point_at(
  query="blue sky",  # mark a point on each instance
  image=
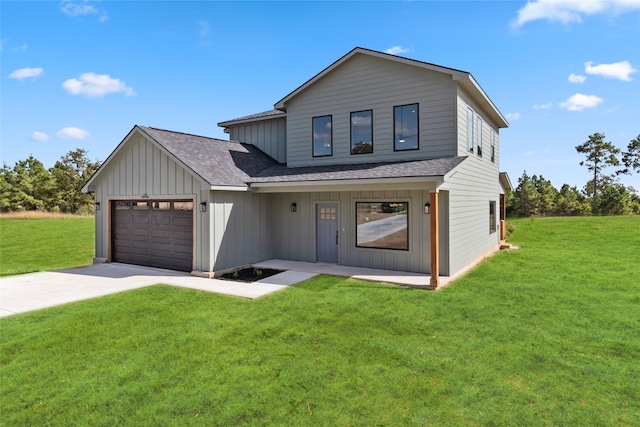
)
(81, 74)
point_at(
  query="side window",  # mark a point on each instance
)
(362, 132)
(479, 136)
(322, 136)
(470, 130)
(405, 127)
(492, 217)
(493, 145)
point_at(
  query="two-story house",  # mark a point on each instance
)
(377, 161)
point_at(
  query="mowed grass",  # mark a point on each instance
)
(546, 335)
(32, 243)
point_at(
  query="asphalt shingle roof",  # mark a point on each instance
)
(229, 163)
(416, 168)
(262, 115)
(219, 162)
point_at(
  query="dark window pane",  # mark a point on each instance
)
(322, 139)
(405, 127)
(362, 132)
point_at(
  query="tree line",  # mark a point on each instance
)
(603, 194)
(29, 186)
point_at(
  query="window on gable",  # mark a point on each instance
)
(322, 136)
(382, 225)
(492, 217)
(405, 127)
(362, 132)
(470, 130)
(479, 136)
(493, 145)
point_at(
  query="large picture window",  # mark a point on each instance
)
(382, 225)
(322, 136)
(405, 127)
(362, 132)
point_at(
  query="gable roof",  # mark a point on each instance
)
(236, 166)
(215, 161)
(464, 79)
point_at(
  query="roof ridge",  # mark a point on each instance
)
(188, 134)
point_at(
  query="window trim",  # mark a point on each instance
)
(493, 146)
(395, 143)
(470, 141)
(370, 111)
(313, 136)
(479, 138)
(370, 202)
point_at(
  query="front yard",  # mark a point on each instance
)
(546, 335)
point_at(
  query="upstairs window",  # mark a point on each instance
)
(479, 136)
(362, 132)
(405, 127)
(470, 130)
(322, 136)
(493, 145)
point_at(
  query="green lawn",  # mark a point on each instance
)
(38, 244)
(546, 335)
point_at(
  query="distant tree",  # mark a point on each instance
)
(526, 199)
(600, 154)
(70, 173)
(631, 157)
(615, 199)
(570, 202)
(28, 186)
(547, 195)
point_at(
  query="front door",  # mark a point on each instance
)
(327, 232)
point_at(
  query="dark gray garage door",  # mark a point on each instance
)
(155, 233)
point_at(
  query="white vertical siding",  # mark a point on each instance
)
(369, 83)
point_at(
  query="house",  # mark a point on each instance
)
(377, 161)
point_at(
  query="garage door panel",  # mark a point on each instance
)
(158, 238)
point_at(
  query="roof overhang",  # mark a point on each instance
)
(406, 183)
(505, 182)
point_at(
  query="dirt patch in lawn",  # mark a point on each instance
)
(250, 274)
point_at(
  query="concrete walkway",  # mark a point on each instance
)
(35, 291)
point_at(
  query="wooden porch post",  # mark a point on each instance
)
(435, 240)
(503, 217)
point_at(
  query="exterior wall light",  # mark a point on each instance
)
(294, 207)
(203, 207)
(97, 206)
(427, 208)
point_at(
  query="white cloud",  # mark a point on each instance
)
(96, 85)
(618, 70)
(74, 9)
(25, 73)
(575, 78)
(546, 106)
(39, 136)
(72, 133)
(204, 28)
(567, 11)
(579, 102)
(513, 116)
(397, 49)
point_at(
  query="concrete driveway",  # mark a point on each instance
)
(34, 291)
